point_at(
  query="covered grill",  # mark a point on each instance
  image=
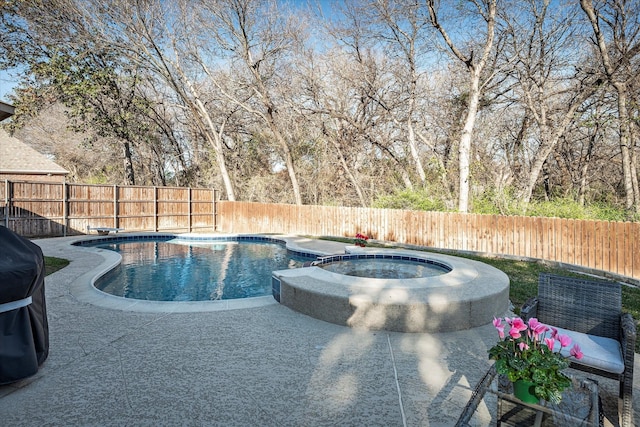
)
(24, 331)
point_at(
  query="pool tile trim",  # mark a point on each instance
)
(337, 258)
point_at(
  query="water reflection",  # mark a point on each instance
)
(168, 271)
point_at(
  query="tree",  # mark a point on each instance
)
(356, 94)
(144, 37)
(257, 37)
(617, 54)
(539, 43)
(402, 28)
(475, 65)
(66, 63)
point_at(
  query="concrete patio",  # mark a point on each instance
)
(243, 366)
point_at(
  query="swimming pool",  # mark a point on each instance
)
(177, 269)
(464, 295)
(381, 266)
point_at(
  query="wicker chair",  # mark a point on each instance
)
(594, 308)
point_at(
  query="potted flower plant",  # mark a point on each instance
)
(361, 240)
(525, 355)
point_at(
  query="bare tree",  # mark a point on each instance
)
(621, 18)
(486, 11)
(145, 38)
(240, 94)
(257, 38)
(358, 91)
(400, 27)
(540, 43)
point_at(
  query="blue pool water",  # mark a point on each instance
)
(176, 270)
(384, 269)
(383, 266)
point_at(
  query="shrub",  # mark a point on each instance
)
(559, 208)
(418, 200)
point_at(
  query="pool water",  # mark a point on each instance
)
(385, 268)
(185, 271)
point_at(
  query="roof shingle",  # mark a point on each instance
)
(17, 157)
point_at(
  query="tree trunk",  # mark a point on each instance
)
(475, 69)
(631, 196)
(288, 160)
(129, 175)
(349, 174)
(625, 151)
(414, 151)
(212, 134)
(464, 151)
(215, 139)
(582, 190)
(634, 165)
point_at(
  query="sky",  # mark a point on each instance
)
(7, 83)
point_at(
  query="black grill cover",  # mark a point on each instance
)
(24, 331)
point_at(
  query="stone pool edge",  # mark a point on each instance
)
(468, 296)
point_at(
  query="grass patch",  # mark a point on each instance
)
(53, 264)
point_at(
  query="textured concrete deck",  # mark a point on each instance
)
(260, 366)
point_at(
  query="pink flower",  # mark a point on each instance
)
(523, 346)
(499, 326)
(519, 324)
(550, 342)
(540, 329)
(564, 340)
(533, 322)
(576, 352)
(554, 332)
(514, 332)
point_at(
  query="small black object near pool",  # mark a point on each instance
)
(24, 341)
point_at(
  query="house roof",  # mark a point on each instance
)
(6, 111)
(16, 157)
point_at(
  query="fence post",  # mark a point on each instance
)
(213, 209)
(115, 206)
(65, 209)
(189, 204)
(7, 199)
(155, 208)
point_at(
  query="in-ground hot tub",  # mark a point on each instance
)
(464, 294)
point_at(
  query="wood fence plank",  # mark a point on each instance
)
(613, 259)
(570, 242)
(635, 250)
(45, 208)
(466, 229)
(598, 250)
(526, 237)
(628, 249)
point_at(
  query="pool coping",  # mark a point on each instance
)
(84, 290)
(471, 293)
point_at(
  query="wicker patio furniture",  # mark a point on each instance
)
(590, 312)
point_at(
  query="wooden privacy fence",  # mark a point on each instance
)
(601, 245)
(53, 209)
(57, 209)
